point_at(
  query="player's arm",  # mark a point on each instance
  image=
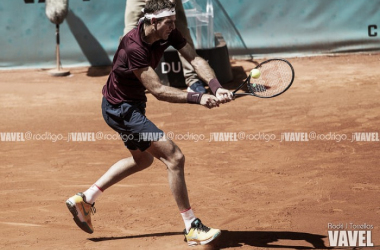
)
(205, 73)
(151, 82)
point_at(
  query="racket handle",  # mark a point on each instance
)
(241, 85)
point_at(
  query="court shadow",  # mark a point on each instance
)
(95, 71)
(239, 75)
(271, 239)
(234, 239)
(99, 239)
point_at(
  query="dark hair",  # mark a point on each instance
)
(155, 5)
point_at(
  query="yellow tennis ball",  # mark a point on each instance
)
(255, 73)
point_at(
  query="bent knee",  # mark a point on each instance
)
(144, 162)
(179, 158)
(177, 161)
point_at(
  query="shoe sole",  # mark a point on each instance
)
(73, 210)
(194, 243)
(189, 90)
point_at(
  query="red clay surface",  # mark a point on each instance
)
(262, 194)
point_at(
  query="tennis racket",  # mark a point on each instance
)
(276, 77)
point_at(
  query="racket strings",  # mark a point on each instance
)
(276, 75)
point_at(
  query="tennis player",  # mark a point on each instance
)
(123, 108)
(133, 13)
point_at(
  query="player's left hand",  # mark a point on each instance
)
(223, 95)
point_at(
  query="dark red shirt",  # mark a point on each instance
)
(133, 53)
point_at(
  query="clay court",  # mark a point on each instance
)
(263, 194)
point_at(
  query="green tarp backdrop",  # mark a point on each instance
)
(91, 31)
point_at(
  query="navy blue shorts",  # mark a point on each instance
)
(129, 120)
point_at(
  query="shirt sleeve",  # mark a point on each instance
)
(177, 40)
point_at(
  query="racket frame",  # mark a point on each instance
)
(247, 81)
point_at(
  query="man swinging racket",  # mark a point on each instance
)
(123, 108)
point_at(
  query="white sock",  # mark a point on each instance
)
(92, 193)
(188, 217)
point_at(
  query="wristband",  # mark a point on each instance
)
(214, 85)
(194, 97)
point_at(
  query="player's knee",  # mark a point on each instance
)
(144, 162)
(180, 159)
(177, 161)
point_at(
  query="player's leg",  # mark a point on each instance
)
(81, 205)
(128, 119)
(124, 168)
(170, 154)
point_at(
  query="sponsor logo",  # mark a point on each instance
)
(372, 30)
(84, 210)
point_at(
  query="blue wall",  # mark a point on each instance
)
(91, 31)
(299, 26)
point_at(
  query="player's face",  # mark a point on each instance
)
(165, 27)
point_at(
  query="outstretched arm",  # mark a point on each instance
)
(206, 73)
(151, 82)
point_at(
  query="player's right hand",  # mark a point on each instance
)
(209, 101)
(224, 95)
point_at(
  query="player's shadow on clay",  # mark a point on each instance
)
(233, 239)
(99, 239)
